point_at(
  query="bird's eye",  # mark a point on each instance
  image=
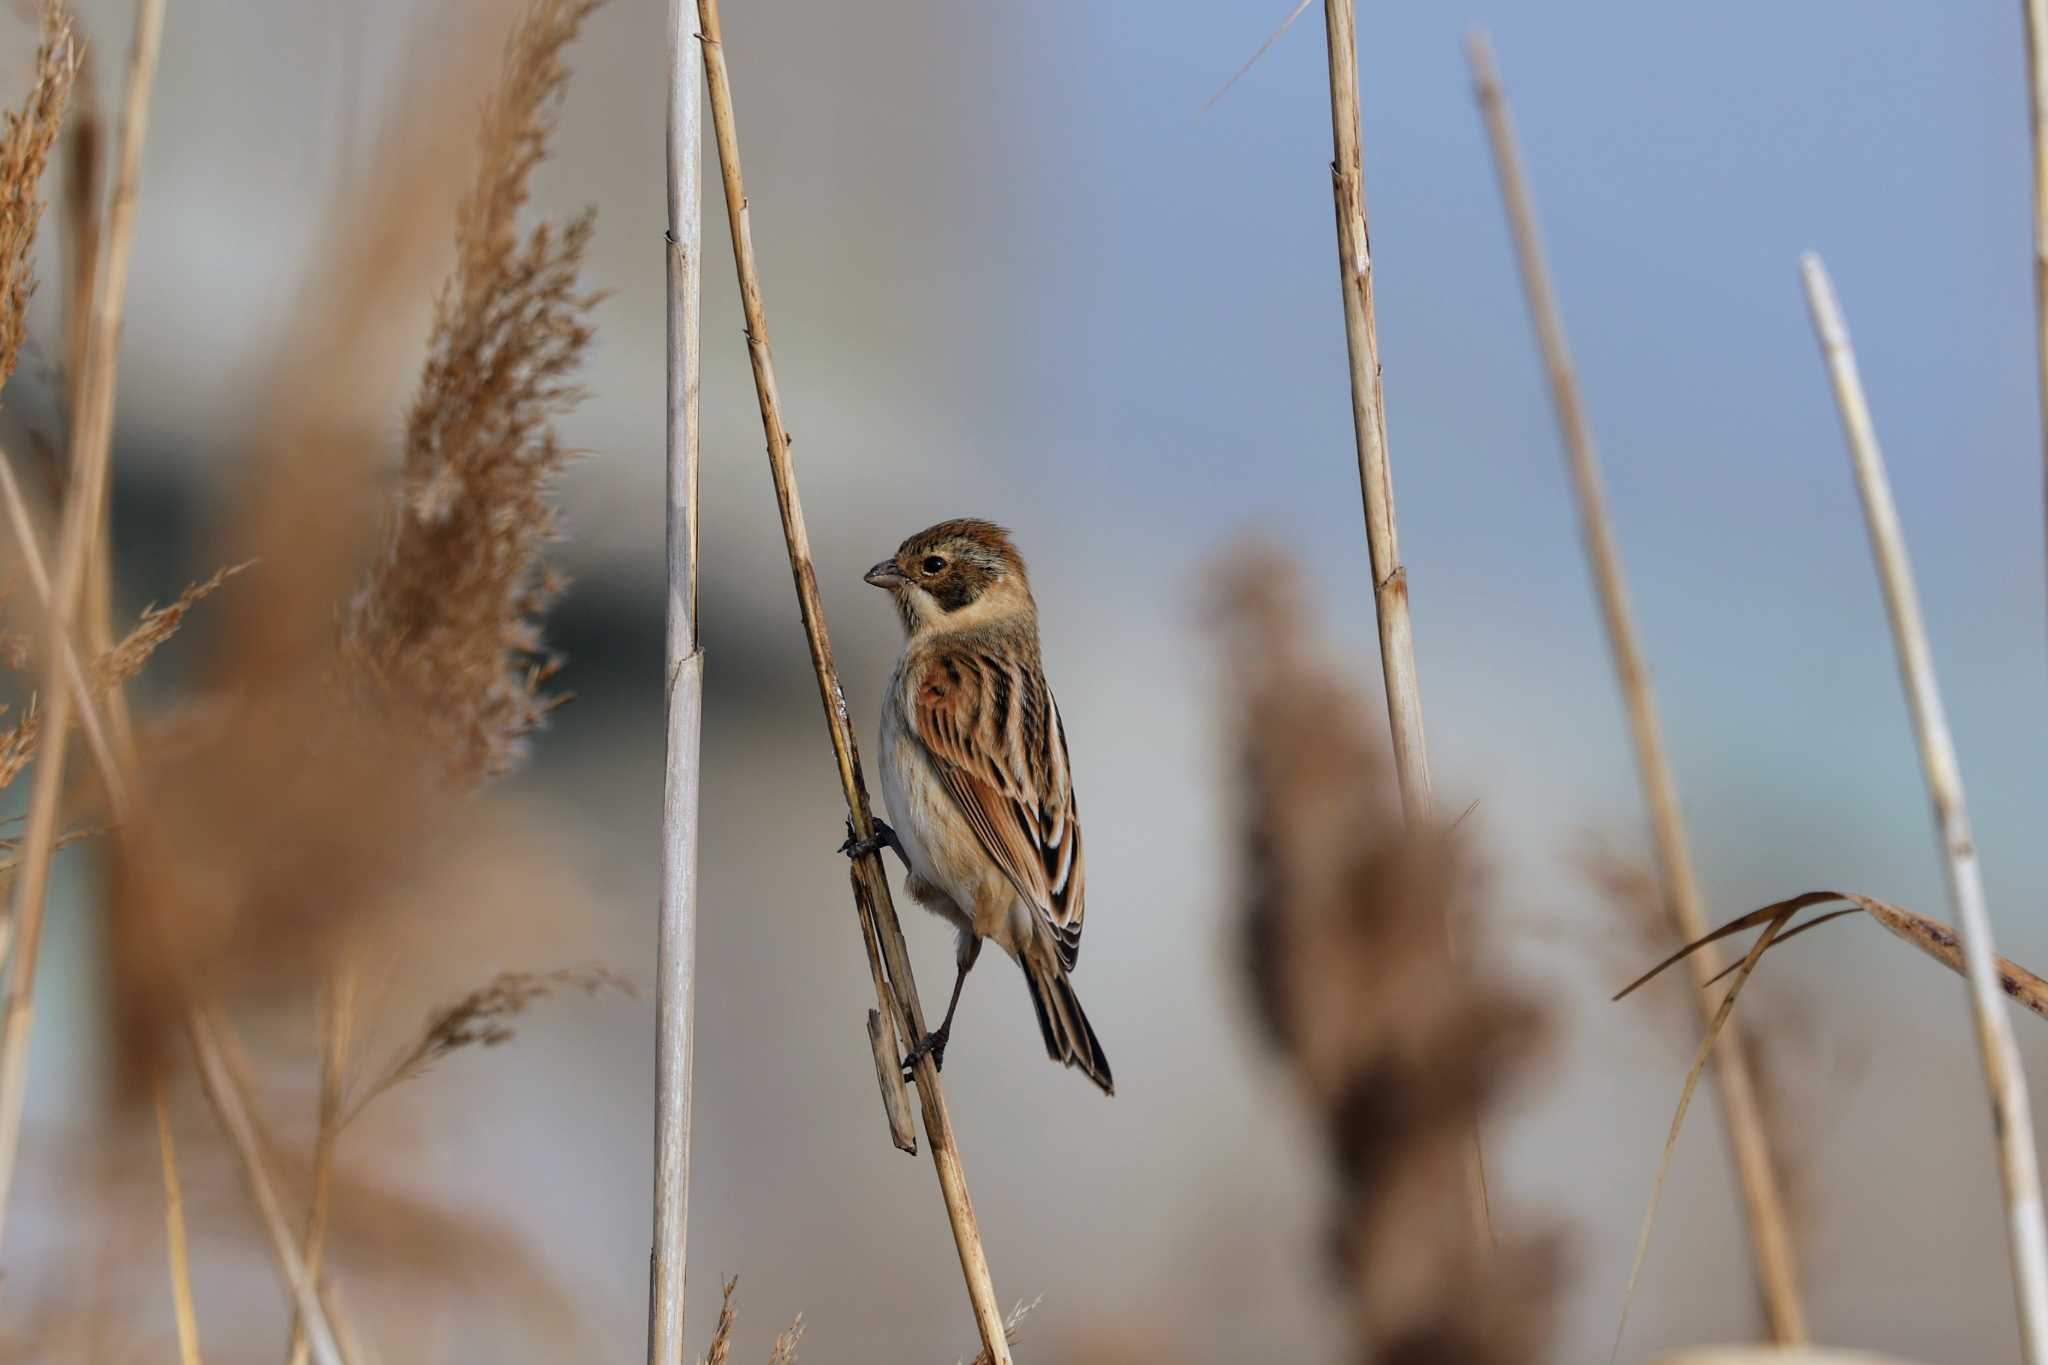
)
(934, 563)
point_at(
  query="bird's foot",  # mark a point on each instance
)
(933, 1046)
(883, 837)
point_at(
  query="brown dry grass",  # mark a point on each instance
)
(1398, 1051)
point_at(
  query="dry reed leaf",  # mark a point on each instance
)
(29, 134)
(1932, 937)
(1397, 1047)
(1743, 971)
(156, 625)
(449, 619)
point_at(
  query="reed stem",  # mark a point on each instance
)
(676, 972)
(1375, 474)
(174, 1228)
(91, 442)
(2012, 1120)
(898, 993)
(2034, 14)
(1770, 1229)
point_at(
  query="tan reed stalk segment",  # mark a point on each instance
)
(337, 1025)
(676, 972)
(226, 1093)
(2012, 1120)
(898, 993)
(174, 1232)
(1777, 1265)
(1375, 476)
(91, 437)
(23, 529)
(2035, 15)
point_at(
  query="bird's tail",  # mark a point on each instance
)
(1069, 1037)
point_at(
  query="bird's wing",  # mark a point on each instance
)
(993, 732)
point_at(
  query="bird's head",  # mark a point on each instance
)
(955, 574)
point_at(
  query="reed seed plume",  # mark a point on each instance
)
(1012, 1325)
(156, 625)
(449, 619)
(484, 1018)
(18, 743)
(1397, 1049)
(719, 1352)
(25, 143)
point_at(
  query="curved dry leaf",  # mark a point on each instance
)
(1932, 937)
(1780, 913)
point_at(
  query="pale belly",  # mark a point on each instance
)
(941, 845)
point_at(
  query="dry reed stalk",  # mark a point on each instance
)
(91, 440)
(174, 1228)
(2012, 1118)
(897, 994)
(1770, 1231)
(337, 1023)
(1396, 1048)
(36, 570)
(1375, 474)
(675, 993)
(2035, 16)
(227, 1095)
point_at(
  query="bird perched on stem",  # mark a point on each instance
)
(975, 775)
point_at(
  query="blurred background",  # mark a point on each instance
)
(1015, 270)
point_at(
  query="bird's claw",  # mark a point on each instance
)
(933, 1046)
(883, 837)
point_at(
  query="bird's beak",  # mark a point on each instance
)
(887, 575)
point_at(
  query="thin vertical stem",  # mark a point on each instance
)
(227, 1096)
(174, 1228)
(676, 972)
(2012, 1120)
(1375, 475)
(337, 1025)
(1777, 1265)
(91, 439)
(2034, 14)
(871, 885)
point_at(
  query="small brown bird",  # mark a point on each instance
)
(974, 772)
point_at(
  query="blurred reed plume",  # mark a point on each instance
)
(449, 619)
(334, 787)
(1397, 1050)
(30, 134)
